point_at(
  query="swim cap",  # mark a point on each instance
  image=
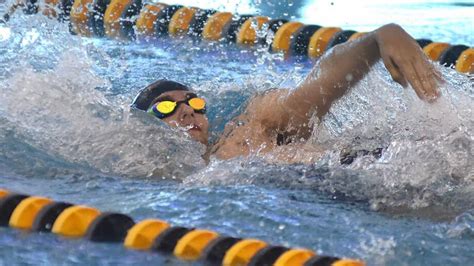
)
(146, 96)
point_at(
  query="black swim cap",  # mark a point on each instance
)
(150, 92)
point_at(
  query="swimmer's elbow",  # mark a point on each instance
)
(393, 26)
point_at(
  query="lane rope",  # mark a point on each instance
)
(131, 19)
(32, 213)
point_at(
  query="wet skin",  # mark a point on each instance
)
(286, 114)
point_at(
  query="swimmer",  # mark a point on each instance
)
(279, 121)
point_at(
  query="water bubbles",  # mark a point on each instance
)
(70, 118)
(262, 31)
(422, 159)
(463, 226)
(254, 24)
(30, 37)
(79, 9)
(5, 33)
(269, 37)
(380, 248)
(349, 77)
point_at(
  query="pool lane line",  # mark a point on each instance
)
(131, 19)
(34, 213)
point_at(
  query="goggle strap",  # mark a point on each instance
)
(154, 112)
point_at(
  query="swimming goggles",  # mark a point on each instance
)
(165, 108)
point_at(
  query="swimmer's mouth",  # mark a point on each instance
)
(193, 127)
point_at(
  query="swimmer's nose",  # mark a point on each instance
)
(186, 112)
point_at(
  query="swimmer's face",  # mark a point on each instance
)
(185, 117)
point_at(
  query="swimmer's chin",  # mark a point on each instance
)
(196, 133)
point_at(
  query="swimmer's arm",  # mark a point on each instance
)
(344, 66)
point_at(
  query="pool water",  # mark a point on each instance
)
(66, 132)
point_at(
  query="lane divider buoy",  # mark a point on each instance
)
(465, 62)
(142, 234)
(423, 42)
(435, 49)
(215, 25)
(47, 216)
(449, 57)
(191, 245)
(196, 26)
(8, 204)
(294, 257)
(215, 251)
(340, 37)
(234, 26)
(26, 211)
(32, 213)
(283, 36)
(163, 20)
(109, 227)
(242, 252)
(79, 17)
(74, 221)
(319, 261)
(49, 8)
(181, 20)
(267, 255)
(86, 17)
(248, 31)
(300, 42)
(167, 240)
(119, 18)
(319, 41)
(273, 26)
(146, 21)
(64, 7)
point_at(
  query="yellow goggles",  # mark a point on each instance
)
(164, 109)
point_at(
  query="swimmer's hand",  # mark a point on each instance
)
(406, 62)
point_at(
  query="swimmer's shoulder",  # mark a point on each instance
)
(232, 142)
(253, 130)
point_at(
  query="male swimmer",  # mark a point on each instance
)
(279, 121)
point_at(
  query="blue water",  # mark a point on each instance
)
(66, 132)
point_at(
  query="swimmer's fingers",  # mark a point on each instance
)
(409, 72)
(394, 70)
(423, 79)
(434, 77)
